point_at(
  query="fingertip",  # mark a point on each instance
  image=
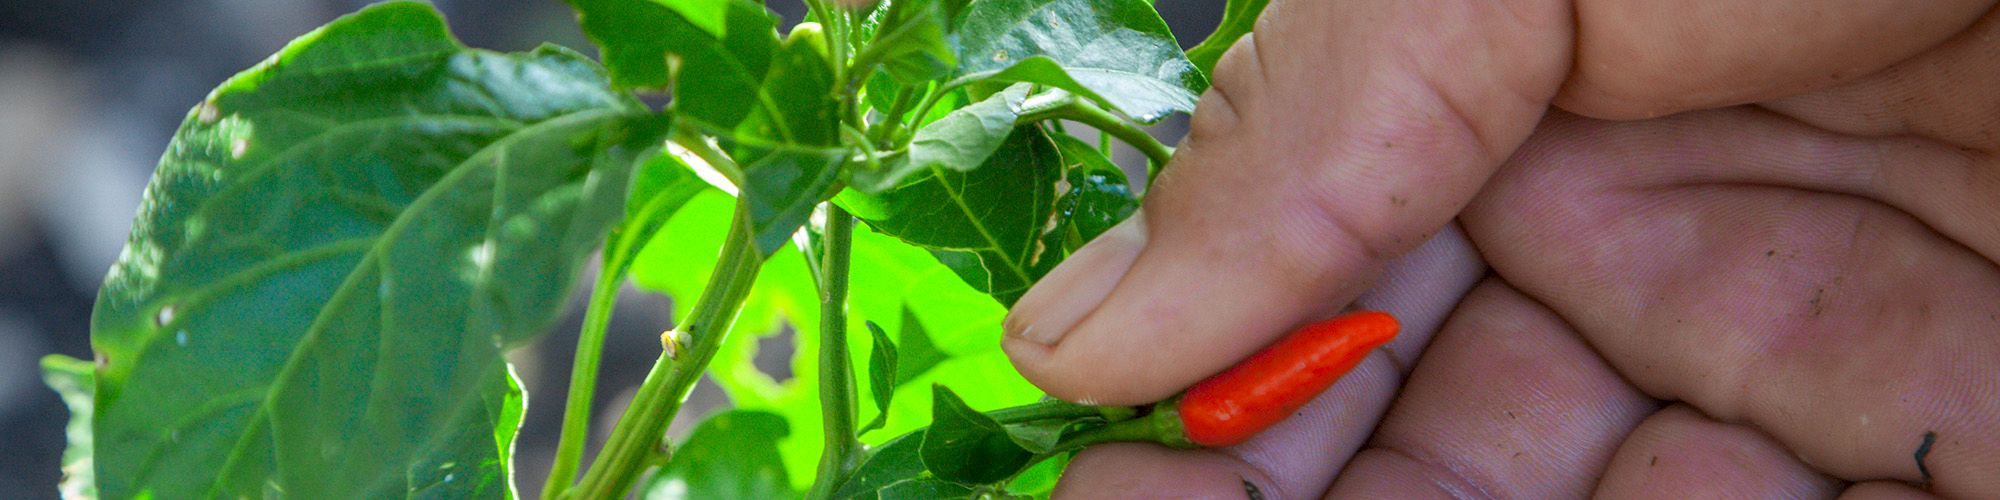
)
(1142, 470)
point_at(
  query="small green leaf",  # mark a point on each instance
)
(1098, 198)
(1238, 18)
(997, 214)
(730, 455)
(896, 461)
(333, 255)
(960, 141)
(1038, 436)
(882, 376)
(924, 489)
(73, 379)
(966, 446)
(1118, 52)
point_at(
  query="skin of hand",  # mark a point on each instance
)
(1681, 248)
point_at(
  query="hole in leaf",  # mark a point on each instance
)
(774, 354)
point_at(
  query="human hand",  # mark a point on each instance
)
(1779, 287)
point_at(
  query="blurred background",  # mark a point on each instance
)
(90, 93)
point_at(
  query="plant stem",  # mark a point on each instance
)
(583, 378)
(1044, 410)
(1079, 111)
(640, 429)
(836, 368)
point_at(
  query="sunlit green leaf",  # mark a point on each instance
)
(1118, 52)
(335, 250)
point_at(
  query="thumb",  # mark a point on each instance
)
(1337, 136)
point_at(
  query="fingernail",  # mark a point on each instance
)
(1075, 288)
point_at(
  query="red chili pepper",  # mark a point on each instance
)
(1238, 403)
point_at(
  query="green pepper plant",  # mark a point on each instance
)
(341, 244)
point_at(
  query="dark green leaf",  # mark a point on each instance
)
(1039, 436)
(783, 185)
(1118, 52)
(960, 141)
(997, 213)
(1238, 18)
(1098, 196)
(882, 375)
(730, 455)
(643, 42)
(910, 41)
(72, 379)
(334, 252)
(797, 102)
(924, 489)
(966, 446)
(898, 460)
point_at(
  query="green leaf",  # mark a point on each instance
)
(924, 489)
(966, 446)
(332, 255)
(1040, 479)
(882, 375)
(1238, 18)
(995, 214)
(896, 461)
(730, 455)
(1117, 52)
(960, 141)
(797, 101)
(783, 186)
(963, 325)
(664, 185)
(72, 379)
(910, 43)
(647, 45)
(708, 15)
(1037, 437)
(1098, 197)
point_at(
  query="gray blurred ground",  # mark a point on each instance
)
(90, 92)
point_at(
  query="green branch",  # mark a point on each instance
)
(1080, 111)
(583, 379)
(640, 430)
(836, 368)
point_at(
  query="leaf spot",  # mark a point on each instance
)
(181, 338)
(1000, 55)
(166, 315)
